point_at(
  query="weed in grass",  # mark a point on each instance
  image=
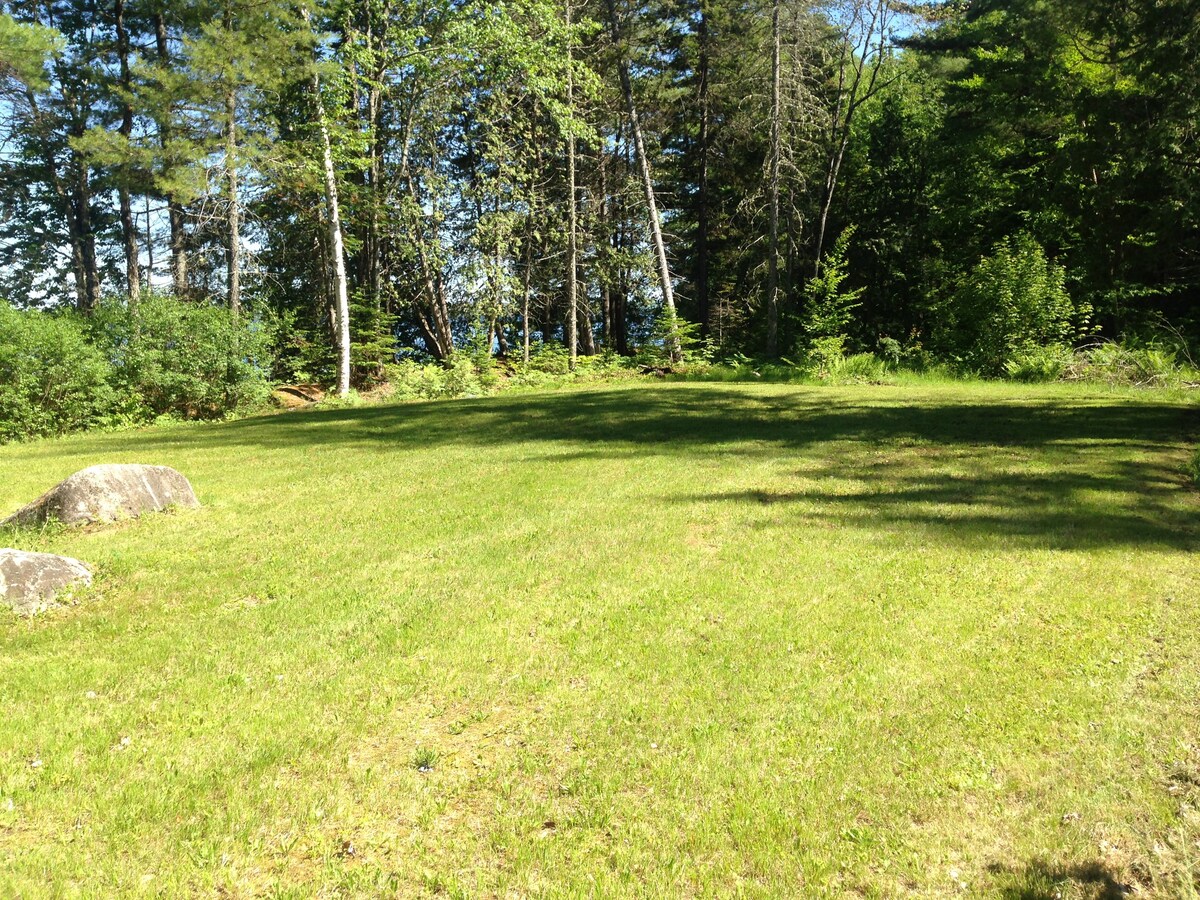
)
(424, 759)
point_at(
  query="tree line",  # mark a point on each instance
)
(378, 178)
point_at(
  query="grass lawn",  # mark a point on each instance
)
(665, 640)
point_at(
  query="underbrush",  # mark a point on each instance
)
(128, 364)
(477, 375)
(1109, 362)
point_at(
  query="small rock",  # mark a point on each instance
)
(107, 493)
(30, 582)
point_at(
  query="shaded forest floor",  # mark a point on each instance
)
(668, 640)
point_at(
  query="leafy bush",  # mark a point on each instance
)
(469, 374)
(1118, 363)
(193, 360)
(411, 380)
(891, 350)
(825, 355)
(458, 377)
(672, 331)
(859, 368)
(1014, 300)
(552, 359)
(1193, 467)
(828, 306)
(1040, 364)
(51, 379)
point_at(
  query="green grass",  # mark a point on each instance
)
(676, 640)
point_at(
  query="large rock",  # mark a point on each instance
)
(107, 493)
(29, 582)
(297, 396)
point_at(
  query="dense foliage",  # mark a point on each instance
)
(51, 379)
(61, 372)
(990, 184)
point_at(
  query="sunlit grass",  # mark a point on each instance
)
(685, 639)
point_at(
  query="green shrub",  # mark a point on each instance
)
(891, 351)
(859, 368)
(51, 379)
(828, 306)
(1118, 363)
(1040, 364)
(192, 360)
(825, 355)
(463, 376)
(551, 359)
(457, 377)
(673, 331)
(1193, 467)
(411, 380)
(1014, 300)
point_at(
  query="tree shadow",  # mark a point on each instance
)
(1113, 502)
(1044, 881)
(1054, 472)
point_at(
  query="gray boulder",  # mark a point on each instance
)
(29, 582)
(107, 493)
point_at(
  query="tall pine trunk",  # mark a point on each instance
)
(341, 288)
(639, 144)
(776, 152)
(572, 223)
(702, 186)
(129, 234)
(175, 213)
(234, 210)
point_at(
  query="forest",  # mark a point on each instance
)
(326, 191)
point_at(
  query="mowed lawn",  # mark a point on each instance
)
(657, 640)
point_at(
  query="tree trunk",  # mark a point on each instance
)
(605, 272)
(75, 197)
(635, 130)
(341, 288)
(620, 311)
(572, 224)
(587, 338)
(179, 264)
(85, 234)
(776, 151)
(851, 87)
(526, 281)
(234, 212)
(702, 187)
(129, 235)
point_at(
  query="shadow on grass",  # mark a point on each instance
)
(1041, 881)
(1056, 472)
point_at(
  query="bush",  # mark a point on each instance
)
(1118, 363)
(860, 368)
(1015, 300)
(1193, 467)
(825, 355)
(51, 379)
(828, 306)
(192, 360)
(673, 332)
(457, 377)
(1040, 364)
